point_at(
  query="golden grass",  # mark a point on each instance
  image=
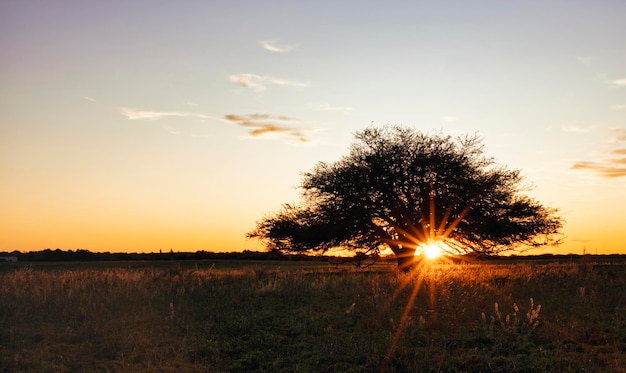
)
(243, 316)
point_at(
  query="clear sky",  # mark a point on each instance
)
(155, 125)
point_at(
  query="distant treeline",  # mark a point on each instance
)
(81, 255)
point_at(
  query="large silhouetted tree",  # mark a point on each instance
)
(401, 188)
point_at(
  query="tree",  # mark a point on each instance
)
(402, 189)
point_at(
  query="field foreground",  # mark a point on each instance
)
(241, 316)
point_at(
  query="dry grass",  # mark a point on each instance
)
(243, 316)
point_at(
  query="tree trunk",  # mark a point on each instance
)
(406, 259)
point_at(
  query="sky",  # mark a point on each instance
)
(142, 126)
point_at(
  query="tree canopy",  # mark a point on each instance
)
(401, 188)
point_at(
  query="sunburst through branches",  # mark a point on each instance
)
(431, 238)
(432, 241)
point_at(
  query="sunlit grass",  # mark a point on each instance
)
(242, 316)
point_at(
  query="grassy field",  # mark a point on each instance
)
(228, 316)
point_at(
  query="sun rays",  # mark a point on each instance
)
(431, 237)
(432, 242)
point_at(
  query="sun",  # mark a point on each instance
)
(432, 249)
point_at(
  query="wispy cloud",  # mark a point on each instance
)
(137, 114)
(275, 46)
(258, 124)
(602, 169)
(449, 118)
(89, 98)
(618, 82)
(610, 167)
(264, 124)
(259, 83)
(618, 107)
